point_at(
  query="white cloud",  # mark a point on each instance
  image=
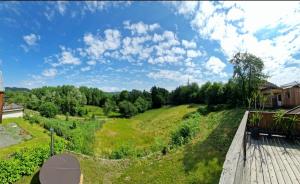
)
(215, 65)
(67, 58)
(61, 6)
(193, 53)
(87, 68)
(140, 27)
(245, 26)
(171, 75)
(50, 72)
(186, 7)
(189, 44)
(31, 39)
(96, 46)
(91, 62)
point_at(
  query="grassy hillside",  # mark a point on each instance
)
(143, 132)
(197, 162)
(39, 136)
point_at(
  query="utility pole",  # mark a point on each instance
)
(51, 143)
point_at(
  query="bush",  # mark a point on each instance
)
(122, 152)
(127, 109)
(186, 131)
(203, 110)
(25, 162)
(48, 110)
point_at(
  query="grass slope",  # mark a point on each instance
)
(39, 136)
(200, 161)
(142, 131)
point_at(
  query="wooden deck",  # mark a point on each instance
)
(272, 160)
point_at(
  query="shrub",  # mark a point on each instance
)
(203, 110)
(127, 109)
(122, 152)
(48, 110)
(255, 119)
(25, 162)
(186, 131)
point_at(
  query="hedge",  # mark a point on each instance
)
(25, 162)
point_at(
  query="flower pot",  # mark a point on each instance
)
(254, 132)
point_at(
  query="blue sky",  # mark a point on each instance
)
(135, 45)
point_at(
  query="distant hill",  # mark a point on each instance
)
(17, 89)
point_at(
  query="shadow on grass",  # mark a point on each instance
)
(35, 179)
(205, 158)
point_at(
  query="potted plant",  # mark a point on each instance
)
(290, 127)
(279, 122)
(254, 124)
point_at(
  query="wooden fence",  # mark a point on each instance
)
(267, 122)
(233, 166)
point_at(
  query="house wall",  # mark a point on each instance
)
(291, 97)
(13, 114)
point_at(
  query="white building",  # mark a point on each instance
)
(12, 111)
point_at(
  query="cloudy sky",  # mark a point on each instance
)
(135, 45)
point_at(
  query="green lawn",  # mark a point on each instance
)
(200, 161)
(39, 136)
(142, 131)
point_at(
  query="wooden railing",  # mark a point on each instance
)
(233, 166)
(267, 122)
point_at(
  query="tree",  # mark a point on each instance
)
(48, 110)
(160, 97)
(141, 104)
(248, 73)
(127, 109)
(109, 106)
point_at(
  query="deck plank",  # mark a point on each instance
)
(249, 155)
(259, 167)
(263, 160)
(285, 160)
(277, 170)
(253, 176)
(278, 156)
(294, 154)
(269, 163)
(289, 160)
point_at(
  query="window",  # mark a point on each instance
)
(287, 94)
(279, 97)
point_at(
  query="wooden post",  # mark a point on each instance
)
(51, 144)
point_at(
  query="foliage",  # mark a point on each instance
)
(25, 162)
(79, 134)
(278, 119)
(48, 110)
(122, 152)
(186, 131)
(255, 119)
(141, 104)
(109, 106)
(248, 72)
(160, 97)
(127, 109)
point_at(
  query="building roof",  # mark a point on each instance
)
(291, 84)
(11, 107)
(268, 85)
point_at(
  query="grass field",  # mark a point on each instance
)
(143, 131)
(39, 136)
(199, 161)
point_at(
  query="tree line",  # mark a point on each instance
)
(247, 77)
